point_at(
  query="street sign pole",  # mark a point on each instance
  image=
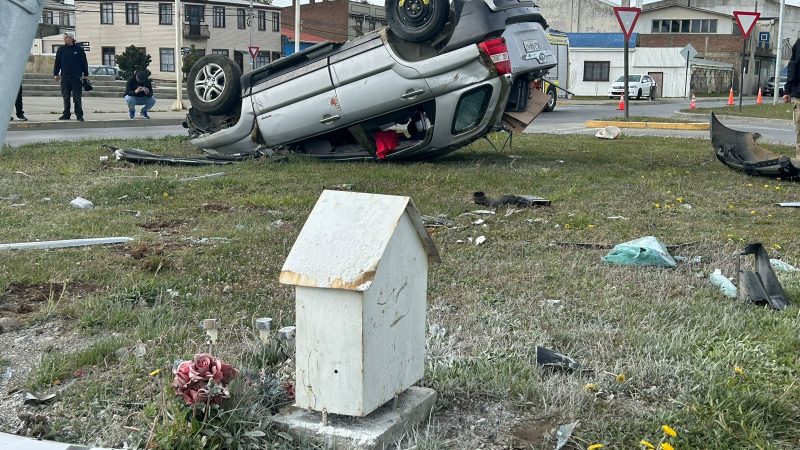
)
(627, 18)
(688, 53)
(779, 56)
(746, 20)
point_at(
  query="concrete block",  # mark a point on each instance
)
(14, 442)
(377, 431)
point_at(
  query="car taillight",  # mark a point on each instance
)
(498, 52)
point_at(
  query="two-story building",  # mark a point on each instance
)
(225, 27)
(336, 20)
(57, 18)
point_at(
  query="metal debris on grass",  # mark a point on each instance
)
(480, 240)
(789, 204)
(527, 201)
(551, 359)
(564, 433)
(32, 398)
(437, 221)
(609, 133)
(201, 177)
(64, 243)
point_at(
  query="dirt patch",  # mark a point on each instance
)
(217, 207)
(20, 299)
(161, 225)
(534, 433)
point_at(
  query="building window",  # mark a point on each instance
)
(241, 18)
(109, 58)
(194, 13)
(220, 51)
(359, 20)
(596, 70)
(167, 59)
(371, 24)
(276, 22)
(47, 17)
(684, 26)
(54, 47)
(165, 14)
(65, 19)
(262, 21)
(219, 17)
(132, 13)
(106, 13)
(262, 59)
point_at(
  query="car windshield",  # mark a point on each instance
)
(633, 78)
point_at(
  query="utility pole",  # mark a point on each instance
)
(19, 19)
(297, 26)
(250, 17)
(778, 56)
(178, 105)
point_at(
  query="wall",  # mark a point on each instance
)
(152, 36)
(367, 13)
(579, 16)
(725, 25)
(326, 18)
(577, 58)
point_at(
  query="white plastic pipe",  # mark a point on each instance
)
(19, 18)
(64, 244)
(178, 105)
(779, 56)
(297, 26)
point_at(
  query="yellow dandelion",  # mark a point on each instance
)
(591, 225)
(749, 184)
(754, 212)
(56, 381)
(766, 186)
(657, 205)
(591, 387)
(165, 194)
(647, 445)
(730, 206)
(777, 188)
(621, 378)
(567, 226)
(776, 247)
(667, 446)
(155, 372)
(594, 446)
(669, 431)
(738, 370)
(679, 199)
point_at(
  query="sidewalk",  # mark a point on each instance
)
(43, 113)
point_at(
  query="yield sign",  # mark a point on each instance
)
(253, 52)
(746, 21)
(627, 18)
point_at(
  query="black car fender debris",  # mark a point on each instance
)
(739, 150)
(760, 285)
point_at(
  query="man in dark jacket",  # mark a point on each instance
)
(70, 67)
(139, 91)
(792, 91)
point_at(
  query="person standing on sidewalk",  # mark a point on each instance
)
(71, 67)
(18, 107)
(139, 91)
(792, 91)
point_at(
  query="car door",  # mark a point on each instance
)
(647, 85)
(297, 104)
(369, 82)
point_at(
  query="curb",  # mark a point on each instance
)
(73, 124)
(651, 125)
(730, 117)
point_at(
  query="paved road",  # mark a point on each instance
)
(570, 119)
(17, 138)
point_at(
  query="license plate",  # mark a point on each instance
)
(530, 46)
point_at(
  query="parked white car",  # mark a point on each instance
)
(638, 86)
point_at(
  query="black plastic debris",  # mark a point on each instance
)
(740, 150)
(761, 285)
(550, 359)
(527, 201)
(138, 156)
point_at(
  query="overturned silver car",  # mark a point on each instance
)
(381, 96)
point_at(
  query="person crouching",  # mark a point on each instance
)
(139, 91)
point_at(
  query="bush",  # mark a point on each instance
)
(189, 59)
(131, 60)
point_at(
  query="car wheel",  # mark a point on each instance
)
(416, 20)
(214, 85)
(639, 94)
(551, 104)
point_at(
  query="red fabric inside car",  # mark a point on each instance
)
(386, 142)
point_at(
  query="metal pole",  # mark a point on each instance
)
(686, 80)
(19, 19)
(741, 79)
(779, 56)
(297, 26)
(250, 16)
(178, 105)
(625, 92)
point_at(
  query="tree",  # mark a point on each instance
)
(189, 59)
(131, 60)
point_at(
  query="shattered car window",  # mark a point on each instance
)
(471, 108)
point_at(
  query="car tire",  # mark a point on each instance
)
(551, 104)
(214, 84)
(414, 21)
(639, 94)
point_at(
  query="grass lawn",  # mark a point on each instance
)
(652, 119)
(665, 346)
(765, 111)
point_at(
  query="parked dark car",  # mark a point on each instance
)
(420, 88)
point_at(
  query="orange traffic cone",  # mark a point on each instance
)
(693, 104)
(730, 98)
(621, 106)
(759, 99)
